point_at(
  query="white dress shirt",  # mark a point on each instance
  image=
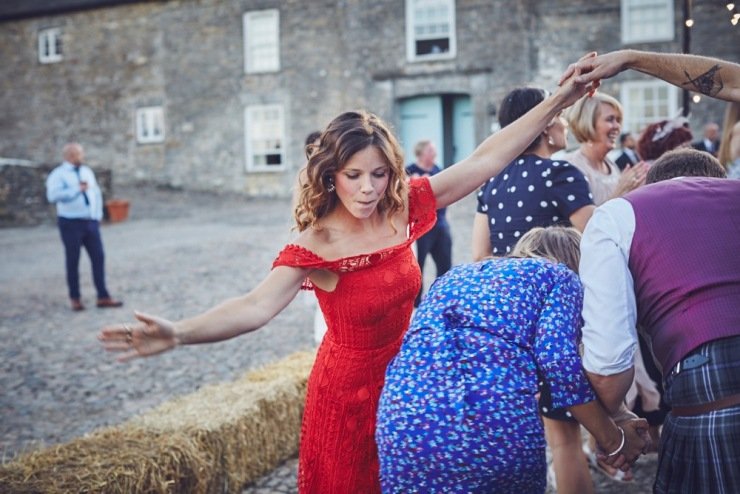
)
(609, 307)
(63, 189)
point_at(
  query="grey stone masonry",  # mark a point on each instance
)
(187, 57)
(23, 193)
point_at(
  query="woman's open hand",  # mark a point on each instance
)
(149, 336)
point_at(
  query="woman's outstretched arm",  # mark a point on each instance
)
(152, 335)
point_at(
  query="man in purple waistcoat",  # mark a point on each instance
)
(666, 257)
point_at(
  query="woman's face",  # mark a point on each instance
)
(362, 182)
(608, 126)
(557, 131)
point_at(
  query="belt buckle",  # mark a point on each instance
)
(690, 362)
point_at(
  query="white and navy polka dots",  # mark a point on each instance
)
(538, 192)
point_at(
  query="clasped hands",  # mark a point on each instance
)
(636, 442)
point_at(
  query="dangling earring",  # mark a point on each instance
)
(549, 140)
(331, 187)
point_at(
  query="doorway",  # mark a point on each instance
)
(445, 119)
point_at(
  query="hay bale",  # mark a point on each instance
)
(112, 461)
(214, 440)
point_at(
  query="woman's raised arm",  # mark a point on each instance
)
(494, 153)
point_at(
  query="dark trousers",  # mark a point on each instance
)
(83, 233)
(438, 243)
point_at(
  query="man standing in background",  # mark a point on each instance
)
(629, 155)
(710, 142)
(438, 241)
(74, 190)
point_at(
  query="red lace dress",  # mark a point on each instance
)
(367, 315)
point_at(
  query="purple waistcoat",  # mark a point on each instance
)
(685, 262)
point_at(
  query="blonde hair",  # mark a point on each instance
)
(583, 115)
(555, 243)
(346, 135)
(732, 116)
(421, 146)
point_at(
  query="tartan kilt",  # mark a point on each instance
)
(701, 454)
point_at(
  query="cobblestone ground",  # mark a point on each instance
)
(177, 254)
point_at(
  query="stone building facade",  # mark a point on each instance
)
(220, 94)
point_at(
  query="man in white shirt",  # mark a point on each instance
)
(661, 256)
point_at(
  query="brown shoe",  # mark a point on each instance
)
(76, 304)
(108, 303)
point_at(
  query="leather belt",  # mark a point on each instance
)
(722, 403)
(687, 363)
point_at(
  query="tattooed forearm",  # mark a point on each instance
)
(709, 83)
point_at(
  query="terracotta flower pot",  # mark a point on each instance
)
(117, 210)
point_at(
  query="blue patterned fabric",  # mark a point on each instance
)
(458, 410)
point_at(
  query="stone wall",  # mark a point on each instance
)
(23, 193)
(336, 55)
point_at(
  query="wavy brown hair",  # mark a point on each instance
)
(346, 135)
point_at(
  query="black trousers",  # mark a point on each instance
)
(438, 243)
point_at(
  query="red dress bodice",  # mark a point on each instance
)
(366, 315)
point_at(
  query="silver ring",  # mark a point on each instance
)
(129, 333)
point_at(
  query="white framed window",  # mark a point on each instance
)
(149, 125)
(262, 41)
(50, 45)
(265, 138)
(647, 20)
(647, 102)
(430, 30)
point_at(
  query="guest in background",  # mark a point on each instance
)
(458, 411)
(660, 137)
(438, 241)
(710, 141)
(729, 148)
(74, 190)
(596, 123)
(629, 155)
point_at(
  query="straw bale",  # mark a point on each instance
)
(217, 439)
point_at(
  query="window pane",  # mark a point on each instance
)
(265, 136)
(432, 26)
(262, 40)
(645, 20)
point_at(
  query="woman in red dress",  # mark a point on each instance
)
(357, 216)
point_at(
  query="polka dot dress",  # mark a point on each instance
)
(530, 192)
(458, 410)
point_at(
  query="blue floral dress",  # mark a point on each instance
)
(458, 411)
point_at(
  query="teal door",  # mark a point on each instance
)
(445, 119)
(463, 131)
(421, 119)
